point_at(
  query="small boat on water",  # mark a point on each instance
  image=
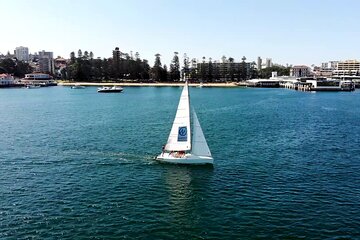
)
(186, 145)
(110, 89)
(77, 86)
(32, 86)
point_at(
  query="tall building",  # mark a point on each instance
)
(116, 54)
(46, 62)
(269, 62)
(22, 53)
(259, 62)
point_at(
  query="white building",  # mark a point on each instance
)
(6, 80)
(22, 53)
(331, 65)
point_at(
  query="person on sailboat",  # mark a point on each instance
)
(163, 149)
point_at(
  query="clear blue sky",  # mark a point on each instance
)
(294, 32)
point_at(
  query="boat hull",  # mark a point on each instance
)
(110, 91)
(188, 159)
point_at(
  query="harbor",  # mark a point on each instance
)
(29, 81)
(180, 120)
(74, 162)
(305, 84)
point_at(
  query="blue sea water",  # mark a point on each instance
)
(75, 164)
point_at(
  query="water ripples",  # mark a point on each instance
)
(85, 170)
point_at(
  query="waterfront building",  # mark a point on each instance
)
(22, 53)
(348, 67)
(300, 71)
(46, 62)
(224, 70)
(41, 79)
(6, 80)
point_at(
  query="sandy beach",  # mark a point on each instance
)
(133, 84)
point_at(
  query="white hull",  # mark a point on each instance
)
(189, 159)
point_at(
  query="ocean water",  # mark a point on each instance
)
(75, 164)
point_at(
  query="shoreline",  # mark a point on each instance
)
(132, 84)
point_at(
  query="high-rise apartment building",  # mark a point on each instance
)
(259, 62)
(22, 53)
(269, 62)
(116, 54)
(46, 62)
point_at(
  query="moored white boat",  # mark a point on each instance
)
(31, 86)
(186, 145)
(77, 86)
(110, 89)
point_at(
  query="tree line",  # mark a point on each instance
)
(124, 66)
(15, 67)
(85, 67)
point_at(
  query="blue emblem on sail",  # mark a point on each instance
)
(182, 134)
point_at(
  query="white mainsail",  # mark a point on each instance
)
(199, 145)
(180, 134)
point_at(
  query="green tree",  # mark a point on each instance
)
(86, 55)
(231, 68)
(193, 70)
(210, 70)
(79, 53)
(8, 65)
(186, 67)
(203, 69)
(175, 68)
(243, 75)
(22, 68)
(157, 70)
(216, 71)
(72, 57)
(281, 70)
(164, 75)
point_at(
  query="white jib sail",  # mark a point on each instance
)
(180, 134)
(199, 145)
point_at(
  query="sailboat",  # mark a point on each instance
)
(185, 144)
